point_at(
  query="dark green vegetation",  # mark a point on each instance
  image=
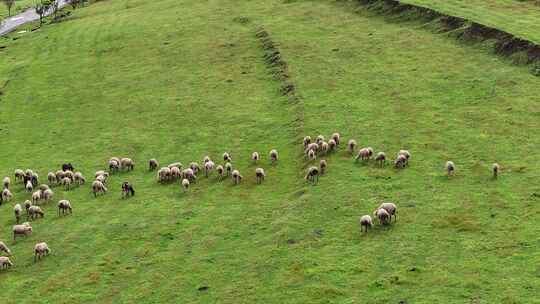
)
(177, 80)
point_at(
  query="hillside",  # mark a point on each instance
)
(181, 79)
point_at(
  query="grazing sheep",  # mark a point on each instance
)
(114, 165)
(255, 157)
(127, 163)
(400, 162)
(185, 185)
(382, 215)
(236, 177)
(27, 205)
(17, 209)
(324, 147)
(259, 175)
(98, 187)
(19, 175)
(195, 167)
(116, 160)
(127, 190)
(64, 206)
(4, 248)
(190, 175)
(102, 173)
(6, 181)
(175, 173)
(227, 157)
(36, 197)
(34, 179)
(312, 146)
(43, 187)
(220, 171)
(495, 169)
(319, 139)
(391, 208)
(47, 195)
(307, 141)
(66, 167)
(102, 179)
(322, 166)
(6, 195)
(153, 164)
(351, 145)
(28, 172)
(29, 186)
(51, 178)
(274, 156)
(79, 178)
(208, 167)
(69, 174)
(407, 155)
(332, 145)
(450, 168)
(336, 137)
(35, 212)
(380, 159)
(312, 175)
(164, 174)
(40, 250)
(206, 159)
(312, 155)
(5, 262)
(228, 168)
(366, 222)
(59, 175)
(179, 165)
(364, 154)
(66, 182)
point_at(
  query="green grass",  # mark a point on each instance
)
(177, 80)
(520, 18)
(18, 7)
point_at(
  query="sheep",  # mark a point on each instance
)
(307, 141)
(381, 158)
(324, 147)
(175, 173)
(4, 248)
(336, 137)
(114, 165)
(28, 172)
(313, 146)
(351, 146)
(190, 175)
(43, 187)
(66, 182)
(27, 205)
(391, 208)
(102, 179)
(312, 155)
(98, 187)
(5, 262)
(364, 154)
(400, 162)
(407, 155)
(59, 175)
(66, 167)
(127, 163)
(220, 171)
(259, 175)
(153, 164)
(69, 174)
(206, 159)
(47, 195)
(366, 222)
(102, 173)
(35, 212)
(185, 185)
(6, 195)
(51, 178)
(450, 168)
(322, 166)
(179, 165)
(36, 197)
(29, 186)
(34, 179)
(312, 175)
(274, 156)
(495, 168)
(227, 157)
(19, 175)
(64, 206)
(127, 190)
(116, 160)
(22, 229)
(6, 181)
(195, 167)
(208, 167)
(228, 168)
(163, 174)
(319, 139)
(17, 209)
(79, 178)
(382, 215)
(236, 177)
(40, 250)
(255, 157)
(332, 145)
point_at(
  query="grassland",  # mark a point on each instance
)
(19, 6)
(520, 18)
(177, 80)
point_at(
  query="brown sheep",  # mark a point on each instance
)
(322, 166)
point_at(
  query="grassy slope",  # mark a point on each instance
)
(520, 18)
(19, 6)
(388, 85)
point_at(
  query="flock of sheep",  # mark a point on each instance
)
(68, 177)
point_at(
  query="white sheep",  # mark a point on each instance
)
(364, 154)
(17, 209)
(6, 181)
(495, 168)
(259, 175)
(27, 205)
(59, 175)
(366, 222)
(351, 145)
(307, 141)
(47, 195)
(6, 195)
(227, 157)
(101, 178)
(69, 174)
(319, 139)
(64, 206)
(190, 175)
(175, 173)
(103, 173)
(450, 168)
(322, 166)
(98, 187)
(29, 187)
(336, 138)
(40, 250)
(79, 178)
(228, 168)
(400, 162)
(312, 155)
(185, 185)
(153, 164)
(5, 262)
(208, 167)
(206, 159)
(220, 171)
(51, 178)
(127, 163)
(381, 158)
(114, 165)
(382, 215)
(22, 229)
(236, 177)
(313, 147)
(36, 197)
(324, 147)
(4, 248)
(312, 175)
(391, 208)
(332, 145)
(66, 182)
(179, 165)
(195, 167)
(164, 174)
(255, 157)
(407, 155)
(19, 175)
(274, 156)
(35, 212)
